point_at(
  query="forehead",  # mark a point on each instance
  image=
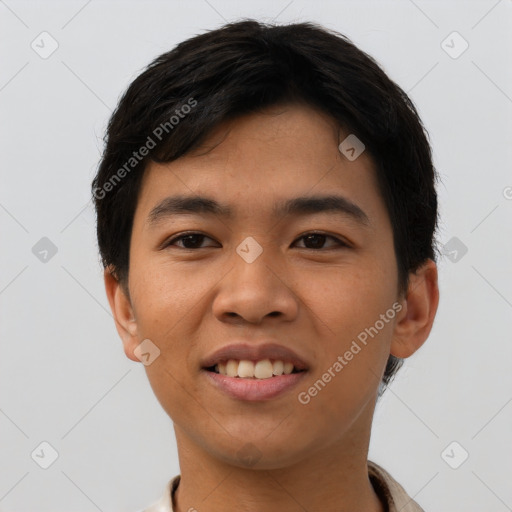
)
(256, 161)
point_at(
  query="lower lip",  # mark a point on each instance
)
(255, 389)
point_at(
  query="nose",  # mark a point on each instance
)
(250, 292)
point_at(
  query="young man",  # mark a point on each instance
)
(266, 214)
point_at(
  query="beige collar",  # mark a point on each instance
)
(390, 492)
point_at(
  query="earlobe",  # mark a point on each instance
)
(414, 322)
(123, 313)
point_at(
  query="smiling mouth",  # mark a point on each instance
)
(262, 369)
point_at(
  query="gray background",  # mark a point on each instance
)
(64, 378)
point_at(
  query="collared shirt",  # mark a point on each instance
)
(389, 491)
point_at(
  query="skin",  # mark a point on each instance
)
(190, 302)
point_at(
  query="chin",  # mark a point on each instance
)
(259, 453)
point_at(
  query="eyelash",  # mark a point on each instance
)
(169, 243)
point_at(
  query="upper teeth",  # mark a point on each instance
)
(263, 369)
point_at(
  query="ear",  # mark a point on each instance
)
(122, 310)
(414, 321)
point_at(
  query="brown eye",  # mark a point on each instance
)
(188, 240)
(317, 241)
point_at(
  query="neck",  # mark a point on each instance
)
(333, 478)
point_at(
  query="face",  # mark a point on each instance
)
(320, 277)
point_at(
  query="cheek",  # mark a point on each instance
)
(166, 311)
(354, 320)
(347, 300)
(168, 315)
(162, 296)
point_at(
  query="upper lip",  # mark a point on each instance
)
(244, 351)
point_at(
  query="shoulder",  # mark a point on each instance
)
(164, 504)
(390, 491)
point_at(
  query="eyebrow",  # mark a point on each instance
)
(306, 205)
